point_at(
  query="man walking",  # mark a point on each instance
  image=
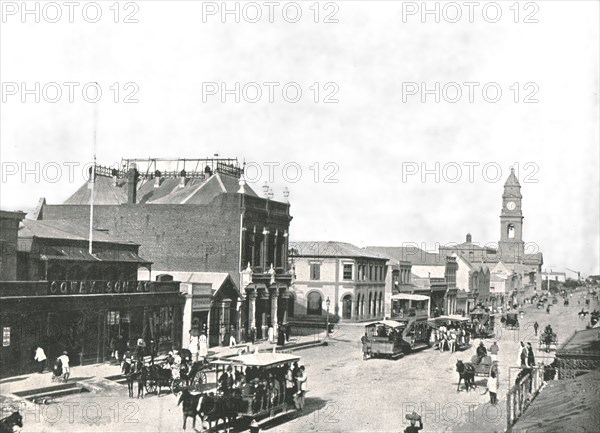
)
(494, 349)
(536, 327)
(40, 357)
(492, 386)
(522, 356)
(64, 359)
(530, 356)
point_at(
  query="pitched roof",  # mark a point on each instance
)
(414, 255)
(67, 230)
(512, 179)
(331, 249)
(194, 191)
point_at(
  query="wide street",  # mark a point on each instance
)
(346, 394)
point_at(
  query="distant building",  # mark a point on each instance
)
(352, 278)
(560, 277)
(520, 272)
(429, 274)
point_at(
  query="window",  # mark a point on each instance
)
(313, 304)
(370, 272)
(315, 271)
(511, 231)
(348, 272)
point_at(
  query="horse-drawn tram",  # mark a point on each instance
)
(482, 323)
(393, 338)
(250, 387)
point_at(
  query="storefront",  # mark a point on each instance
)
(88, 319)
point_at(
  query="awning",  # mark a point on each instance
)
(388, 323)
(68, 253)
(410, 297)
(82, 255)
(120, 256)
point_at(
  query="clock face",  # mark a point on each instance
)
(511, 205)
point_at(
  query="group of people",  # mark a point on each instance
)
(262, 388)
(60, 370)
(446, 337)
(526, 357)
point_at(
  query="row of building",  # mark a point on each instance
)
(182, 247)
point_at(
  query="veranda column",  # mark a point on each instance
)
(274, 298)
(251, 308)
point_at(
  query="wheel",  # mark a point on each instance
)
(177, 385)
(150, 386)
(197, 381)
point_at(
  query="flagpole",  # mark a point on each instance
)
(93, 180)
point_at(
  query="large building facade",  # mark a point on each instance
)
(352, 279)
(195, 216)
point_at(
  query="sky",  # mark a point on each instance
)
(393, 129)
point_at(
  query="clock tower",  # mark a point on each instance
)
(511, 246)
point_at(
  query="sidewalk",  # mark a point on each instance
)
(33, 381)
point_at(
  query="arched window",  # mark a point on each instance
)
(347, 307)
(370, 303)
(313, 304)
(510, 230)
(380, 303)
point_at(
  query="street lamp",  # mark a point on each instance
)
(327, 303)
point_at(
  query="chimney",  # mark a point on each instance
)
(157, 178)
(132, 178)
(182, 179)
(469, 237)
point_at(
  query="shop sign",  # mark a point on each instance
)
(98, 287)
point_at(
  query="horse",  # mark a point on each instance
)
(214, 408)
(8, 424)
(141, 376)
(128, 369)
(190, 407)
(466, 371)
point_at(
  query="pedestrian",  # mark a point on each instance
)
(281, 336)
(412, 428)
(530, 356)
(288, 331)
(202, 346)
(232, 342)
(253, 334)
(492, 386)
(194, 347)
(301, 381)
(548, 309)
(494, 349)
(64, 359)
(536, 327)
(290, 385)
(40, 357)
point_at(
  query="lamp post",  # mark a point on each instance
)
(327, 303)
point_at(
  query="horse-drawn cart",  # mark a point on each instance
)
(548, 341)
(512, 321)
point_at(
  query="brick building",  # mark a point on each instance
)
(195, 216)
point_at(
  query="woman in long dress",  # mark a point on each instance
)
(202, 346)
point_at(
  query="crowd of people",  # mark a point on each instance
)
(263, 388)
(446, 337)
